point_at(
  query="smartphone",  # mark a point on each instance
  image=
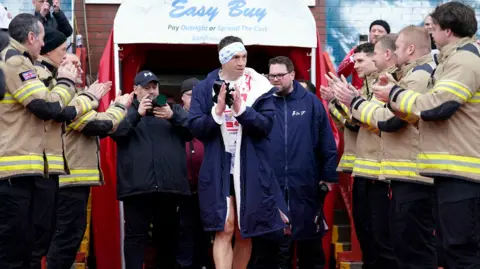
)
(362, 39)
(161, 99)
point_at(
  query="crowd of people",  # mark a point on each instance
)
(246, 158)
(407, 120)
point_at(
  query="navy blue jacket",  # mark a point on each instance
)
(261, 198)
(304, 153)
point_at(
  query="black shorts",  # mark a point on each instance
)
(232, 187)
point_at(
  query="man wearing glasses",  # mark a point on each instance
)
(303, 155)
(56, 19)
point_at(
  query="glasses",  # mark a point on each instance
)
(276, 76)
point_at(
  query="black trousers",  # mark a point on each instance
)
(140, 211)
(45, 199)
(362, 219)
(193, 242)
(412, 225)
(268, 254)
(16, 222)
(458, 212)
(71, 222)
(379, 197)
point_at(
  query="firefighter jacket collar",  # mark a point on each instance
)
(369, 79)
(47, 63)
(452, 47)
(393, 70)
(21, 48)
(414, 63)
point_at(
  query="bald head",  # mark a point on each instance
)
(413, 42)
(72, 58)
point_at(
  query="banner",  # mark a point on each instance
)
(267, 22)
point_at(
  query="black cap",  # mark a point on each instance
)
(53, 39)
(188, 85)
(382, 23)
(144, 77)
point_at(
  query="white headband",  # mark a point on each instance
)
(227, 53)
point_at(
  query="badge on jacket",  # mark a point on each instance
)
(28, 75)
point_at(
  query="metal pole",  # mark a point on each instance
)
(313, 67)
(118, 91)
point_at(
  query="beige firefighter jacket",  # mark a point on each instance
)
(399, 140)
(368, 152)
(449, 114)
(22, 143)
(82, 145)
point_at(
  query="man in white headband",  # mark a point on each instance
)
(238, 192)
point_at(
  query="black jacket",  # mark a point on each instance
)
(58, 22)
(151, 153)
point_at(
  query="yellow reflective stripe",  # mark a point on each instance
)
(81, 176)
(366, 113)
(453, 87)
(398, 168)
(28, 162)
(404, 100)
(337, 115)
(448, 162)
(475, 98)
(345, 108)
(64, 93)
(74, 125)
(28, 90)
(411, 101)
(55, 162)
(407, 101)
(116, 112)
(8, 99)
(347, 160)
(367, 166)
(85, 104)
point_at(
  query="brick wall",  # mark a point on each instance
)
(100, 23)
(318, 12)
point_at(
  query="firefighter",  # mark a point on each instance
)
(367, 162)
(81, 152)
(412, 222)
(361, 208)
(23, 110)
(4, 40)
(449, 114)
(51, 56)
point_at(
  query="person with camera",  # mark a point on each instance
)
(151, 171)
(55, 19)
(232, 111)
(304, 158)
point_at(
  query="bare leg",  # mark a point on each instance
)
(242, 250)
(222, 246)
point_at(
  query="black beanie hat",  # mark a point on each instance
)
(53, 39)
(382, 23)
